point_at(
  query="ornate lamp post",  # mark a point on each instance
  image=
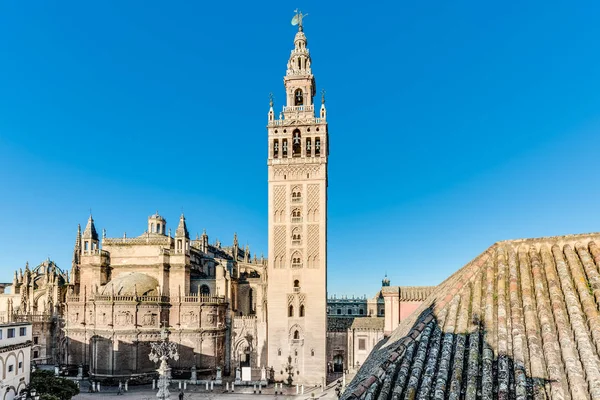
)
(162, 351)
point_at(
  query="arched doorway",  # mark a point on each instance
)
(338, 363)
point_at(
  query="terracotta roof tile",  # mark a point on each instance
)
(520, 321)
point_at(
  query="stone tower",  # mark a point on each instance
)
(297, 263)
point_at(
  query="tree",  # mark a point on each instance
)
(52, 387)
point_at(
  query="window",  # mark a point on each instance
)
(291, 311)
(11, 368)
(361, 311)
(296, 215)
(339, 311)
(312, 352)
(284, 147)
(275, 148)
(36, 354)
(20, 364)
(296, 335)
(362, 344)
(11, 333)
(296, 143)
(297, 283)
(302, 310)
(298, 97)
(1, 333)
(23, 331)
(381, 312)
(317, 146)
(296, 260)
(296, 195)
(35, 340)
(296, 237)
(349, 311)
(278, 352)
(308, 147)
(204, 290)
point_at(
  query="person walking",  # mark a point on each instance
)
(181, 395)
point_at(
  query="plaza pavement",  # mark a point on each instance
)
(198, 392)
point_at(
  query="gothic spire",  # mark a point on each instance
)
(182, 228)
(90, 230)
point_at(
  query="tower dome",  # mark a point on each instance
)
(157, 224)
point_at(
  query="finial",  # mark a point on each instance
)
(297, 20)
(103, 233)
(322, 96)
(271, 99)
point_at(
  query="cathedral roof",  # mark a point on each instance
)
(130, 284)
(519, 321)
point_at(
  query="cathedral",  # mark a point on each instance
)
(224, 308)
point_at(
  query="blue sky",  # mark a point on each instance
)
(453, 125)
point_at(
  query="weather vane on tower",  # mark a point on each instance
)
(297, 20)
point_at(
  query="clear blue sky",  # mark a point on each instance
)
(453, 125)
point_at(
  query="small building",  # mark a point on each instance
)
(363, 336)
(15, 357)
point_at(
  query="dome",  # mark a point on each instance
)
(131, 283)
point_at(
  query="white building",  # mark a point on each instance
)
(15, 358)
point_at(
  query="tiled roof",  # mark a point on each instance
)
(337, 324)
(409, 293)
(520, 321)
(372, 323)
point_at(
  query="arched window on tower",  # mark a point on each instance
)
(275, 148)
(296, 195)
(297, 335)
(290, 311)
(284, 147)
(296, 215)
(296, 260)
(298, 96)
(302, 310)
(317, 147)
(308, 147)
(296, 237)
(296, 143)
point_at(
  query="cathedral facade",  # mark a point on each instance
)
(225, 309)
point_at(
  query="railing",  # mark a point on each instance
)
(296, 290)
(32, 318)
(296, 265)
(296, 219)
(95, 252)
(152, 239)
(298, 108)
(296, 199)
(282, 122)
(296, 242)
(143, 299)
(195, 298)
(73, 299)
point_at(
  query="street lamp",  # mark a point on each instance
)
(161, 352)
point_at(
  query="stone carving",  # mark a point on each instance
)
(124, 318)
(149, 319)
(301, 298)
(290, 299)
(279, 245)
(191, 317)
(312, 202)
(279, 203)
(297, 171)
(313, 246)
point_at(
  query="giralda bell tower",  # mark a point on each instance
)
(297, 272)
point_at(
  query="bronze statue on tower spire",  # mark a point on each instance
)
(297, 20)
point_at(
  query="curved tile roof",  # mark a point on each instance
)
(520, 321)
